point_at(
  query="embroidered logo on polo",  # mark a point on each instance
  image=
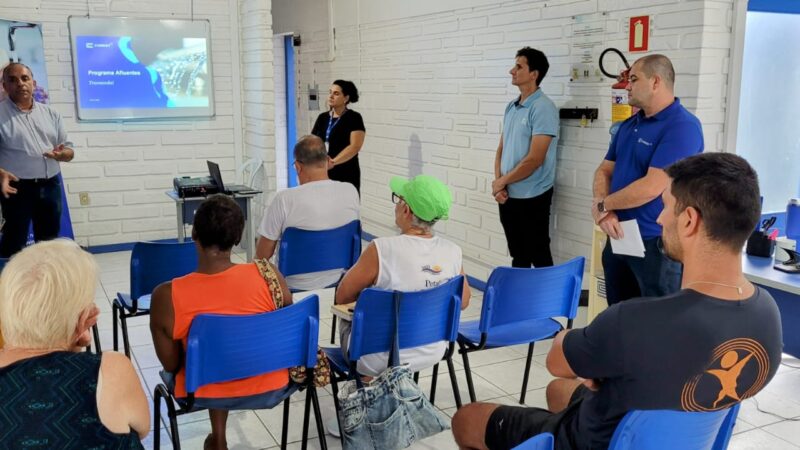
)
(642, 141)
(738, 370)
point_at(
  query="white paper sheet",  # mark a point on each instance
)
(631, 244)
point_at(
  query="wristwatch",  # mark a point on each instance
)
(601, 207)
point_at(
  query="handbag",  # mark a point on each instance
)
(322, 372)
(390, 412)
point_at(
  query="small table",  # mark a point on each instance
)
(344, 311)
(186, 207)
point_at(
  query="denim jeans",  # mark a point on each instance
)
(37, 201)
(627, 277)
(389, 413)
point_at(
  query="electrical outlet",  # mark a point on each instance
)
(84, 197)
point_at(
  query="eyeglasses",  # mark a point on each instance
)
(396, 198)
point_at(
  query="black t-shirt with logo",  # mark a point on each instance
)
(686, 352)
(348, 122)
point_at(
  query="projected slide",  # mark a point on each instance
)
(113, 74)
(129, 69)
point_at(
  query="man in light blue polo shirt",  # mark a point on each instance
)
(525, 164)
(629, 182)
(32, 143)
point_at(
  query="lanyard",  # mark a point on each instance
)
(332, 123)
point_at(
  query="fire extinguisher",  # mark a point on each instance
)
(620, 108)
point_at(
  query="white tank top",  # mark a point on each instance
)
(412, 263)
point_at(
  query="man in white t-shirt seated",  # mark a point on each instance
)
(413, 261)
(319, 203)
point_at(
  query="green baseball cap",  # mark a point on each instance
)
(428, 198)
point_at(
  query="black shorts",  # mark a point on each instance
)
(510, 426)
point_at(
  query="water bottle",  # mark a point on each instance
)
(793, 219)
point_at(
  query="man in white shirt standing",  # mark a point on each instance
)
(319, 203)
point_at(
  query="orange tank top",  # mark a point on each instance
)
(239, 290)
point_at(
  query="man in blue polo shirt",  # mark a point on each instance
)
(525, 164)
(631, 178)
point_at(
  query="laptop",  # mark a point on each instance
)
(216, 175)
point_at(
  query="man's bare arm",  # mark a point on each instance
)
(361, 276)
(639, 192)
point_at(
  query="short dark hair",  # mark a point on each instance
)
(723, 188)
(536, 61)
(658, 65)
(218, 222)
(349, 89)
(12, 64)
(310, 150)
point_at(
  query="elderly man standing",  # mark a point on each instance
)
(32, 143)
(319, 203)
(629, 181)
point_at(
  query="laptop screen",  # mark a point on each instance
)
(213, 170)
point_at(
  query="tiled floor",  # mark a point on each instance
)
(497, 376)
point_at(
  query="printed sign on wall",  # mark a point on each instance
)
(638, 34)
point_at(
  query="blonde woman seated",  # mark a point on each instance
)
(55, 395)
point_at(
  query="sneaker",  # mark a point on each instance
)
(333, 427)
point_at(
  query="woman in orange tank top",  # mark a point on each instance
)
(217, 287)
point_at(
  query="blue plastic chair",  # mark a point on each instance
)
(542, 441)
(667, 430)
(229, 347)
(662, 430)
(152, 263)
(305, 251)
(518, 308)
(426, 317)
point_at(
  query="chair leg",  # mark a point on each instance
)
(323, 442)
(124, 325)
(96, 335)
(285, 428)
(434, 378)
(333, 330)
(526, 374)
(454, 382)
(306, 414)
(336, 407)
(468, 373)
(157, 419)
(114, 315)
(173, 424)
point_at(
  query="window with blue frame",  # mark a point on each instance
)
(769, 120)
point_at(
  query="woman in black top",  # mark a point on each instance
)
(343, 131)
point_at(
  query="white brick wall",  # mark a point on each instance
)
(434, 84)
(126, 167)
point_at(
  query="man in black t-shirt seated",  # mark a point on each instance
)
(704, 348)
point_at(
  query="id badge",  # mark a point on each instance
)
(327, 147)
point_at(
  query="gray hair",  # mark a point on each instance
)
(423, 224)
(311, 151)
(658, 65)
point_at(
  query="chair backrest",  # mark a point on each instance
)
(515, 295)
(304, 251)
(228, 347)
(426, 317)
(153, 263)
(663, 430)
(543, 441)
